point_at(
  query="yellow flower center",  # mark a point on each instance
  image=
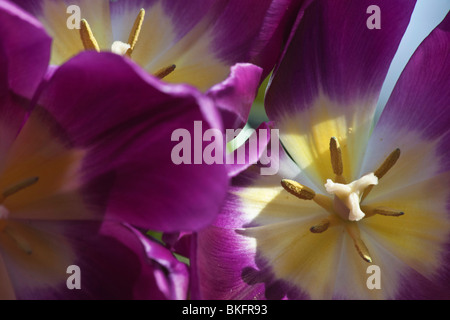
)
(119, 47)
(345, 207)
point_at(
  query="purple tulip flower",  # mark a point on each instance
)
(359, 209)
(85, 166)
(192, 42)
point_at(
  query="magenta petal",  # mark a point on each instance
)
(170, 274)
(27, 56)
(23, 63)
(420, 100)
(235, 96)
(125, 118)
(243, 31)
(346, 61)
(281, 18)
(255, 30)
(230, 269)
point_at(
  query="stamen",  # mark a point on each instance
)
(134, 34)
(388, 163)
(336, 157)
(21, 242)
(164, 72)
(383, 169)
(19, 186)
(321, 227)
(384, 211)
(360, 246)
(388, 212)
(87, 37)
(325, 224)
(297, 189)
(305, 193)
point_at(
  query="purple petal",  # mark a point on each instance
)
(23, 62)
(254, 30)
(170, 274)
(230, 269)
(125, 118)
(179, 242)
(27, 56)
(420, 98)
(419, 104)
(279, 23)
(343, 60)
(235, 96)
(241, 31)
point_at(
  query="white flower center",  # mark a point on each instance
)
(350, 195)
(347, 198)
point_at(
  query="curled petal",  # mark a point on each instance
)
(235, 96)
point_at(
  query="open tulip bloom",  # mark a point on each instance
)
(85, 167)
(193, 41)
(351, 193)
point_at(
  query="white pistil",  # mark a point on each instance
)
(350, 194)
(120, 48)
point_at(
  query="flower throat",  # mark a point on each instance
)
(345, 207)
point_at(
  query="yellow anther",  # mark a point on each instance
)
(384, 211)
(321, 227)
(134, 34)
(388, 212)
(388, 163)
(20, 241)
(164, 72)
(297, 189)
(361, 248)
(87, 37)
(336, 157)
(383, 169)
(19, 186)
